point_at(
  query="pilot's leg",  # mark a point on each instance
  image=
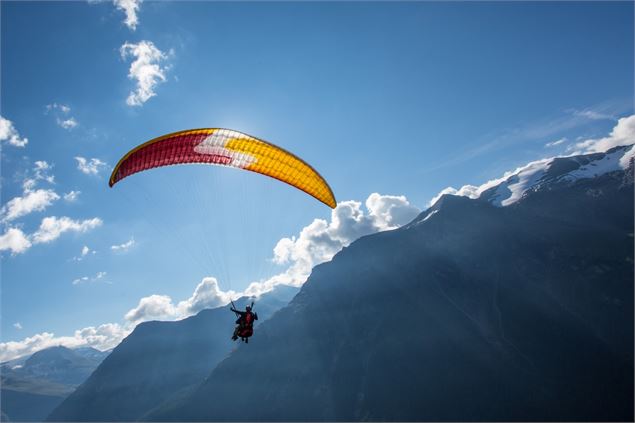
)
(235, 335)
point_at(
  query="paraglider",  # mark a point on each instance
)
(225, 147)
(244, 323)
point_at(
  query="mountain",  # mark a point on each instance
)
(62, 365)
(481, 309)
(160, 361)
(554, 173)
(34, 385)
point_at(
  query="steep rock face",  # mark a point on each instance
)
(471, 312)
(158, 361)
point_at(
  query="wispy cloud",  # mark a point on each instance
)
(71, 196)
(88, 279)
(86, 251)
(537, 131)
(557, 142)
(14, 239)
(89, 166)
(145, 70)
(593, 114)
(17, 325)
(31, 200)
(61, 113)
(9, 134)
(69, 123)
(130, 8)
(122, 248)
(40, 172)
(55, 106)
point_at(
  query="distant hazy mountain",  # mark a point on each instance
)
(160, 361)
(34, 385)
(480, 309)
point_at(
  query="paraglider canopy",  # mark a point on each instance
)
(225, 147)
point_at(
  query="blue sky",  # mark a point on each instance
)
(401, 99)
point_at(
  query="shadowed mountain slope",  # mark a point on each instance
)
(160, 360)
(471, 312)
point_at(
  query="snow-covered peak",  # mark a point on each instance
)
(514, 185)
(557, 170)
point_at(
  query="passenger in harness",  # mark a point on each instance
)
(244, 324)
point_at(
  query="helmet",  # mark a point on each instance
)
(248, 308)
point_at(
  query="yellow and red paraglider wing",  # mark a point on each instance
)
(225, 147)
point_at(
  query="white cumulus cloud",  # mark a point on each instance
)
(31, 201)
(207, 294)
(102, 337)
(317, 242)
(623, 133)
(145, 70)
(130, 8)
(52, 227)
(89, 166)
(9, 134)
(14, 240)
(153, 307)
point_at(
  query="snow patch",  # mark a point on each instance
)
(524, 181)
(627, 158)
(430, 215)
(608, 163)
